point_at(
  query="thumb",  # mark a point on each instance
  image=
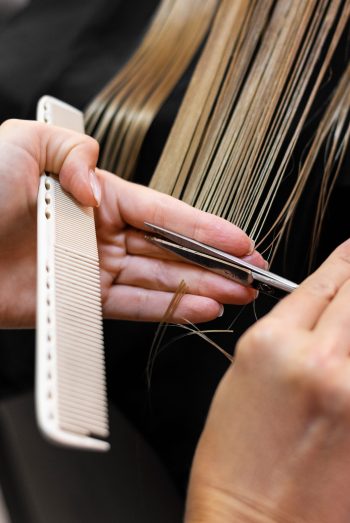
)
(73, 156)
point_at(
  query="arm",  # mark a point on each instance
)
(276, 445)
(138, 279)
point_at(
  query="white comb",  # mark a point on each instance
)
(71, 403)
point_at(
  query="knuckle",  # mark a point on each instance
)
(317, 377)
(260, 340)
(159, 211)
(160, 276)
(310, 364)
(6, 123)
(197, 226)
(314, 373)
(324, 287)
(10, 124)
(141, 304)
(343, 252)
(93, 144)
(303, 374)
(203, 282)
(330, 391)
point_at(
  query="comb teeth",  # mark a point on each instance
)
(75, 228)
(70, 383)
(77, 380)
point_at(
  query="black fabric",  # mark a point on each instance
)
(48, 484)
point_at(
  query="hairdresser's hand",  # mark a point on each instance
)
(276, 446)
(138, 279)
(26, 150)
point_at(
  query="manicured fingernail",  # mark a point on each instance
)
(95, 186)
(221, 311)
(267, 265)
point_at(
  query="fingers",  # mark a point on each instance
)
(305, 306)
(138, 204)
(73, 156)
(165, 275)
(133, 303)
(333, 325)
(136, 243)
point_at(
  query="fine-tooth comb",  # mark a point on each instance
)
(71, 402)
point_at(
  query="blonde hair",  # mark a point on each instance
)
(250, 97)
(120, 116)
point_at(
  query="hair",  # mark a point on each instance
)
(244, 121)
(121, 114)
(243, 116)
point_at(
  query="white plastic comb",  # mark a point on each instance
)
(71, 403)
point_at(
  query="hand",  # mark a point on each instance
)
(138, 279)
(276, 446)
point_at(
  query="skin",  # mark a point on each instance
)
(276, 445)
(138, 279)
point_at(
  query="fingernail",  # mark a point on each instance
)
(252, 247)
(95, 186)
(267, 265)
(221, 311)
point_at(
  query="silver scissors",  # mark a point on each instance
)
(220, 262)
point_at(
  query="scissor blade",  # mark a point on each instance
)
(195, 245)
(211, 263)
(262, 280)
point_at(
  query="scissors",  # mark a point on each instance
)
(220, 262)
